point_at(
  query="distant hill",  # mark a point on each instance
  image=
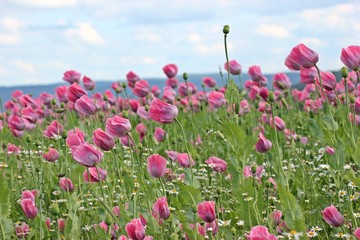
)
(101, 86)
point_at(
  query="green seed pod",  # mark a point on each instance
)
(105, 98)
(53, 101)
(123, 85)
(147, 107)
(108, 220)
(28, 138)
(226, 29)
(125, 114)
(352, 98)
(54, 209)
(271, 97)
(113, 110)
(64, 134)
(185, 76)
(62, 105)
(101, 115)
(344, 72)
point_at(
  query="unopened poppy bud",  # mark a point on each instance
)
(344, 72)
(179, 139)
(185, 76)
(123, 85)
(108, 220)
(194, 209)
(54, 209)
(173, 141)
(226, 29)
(147, 107)
(113, 111)
(60, 110)
(53, 101)
(352, 98)
(101, 115)
(125, 114)
(311, 114)
(61, 175)
(28, 139)
(105, 98)
(283, 101)
(271, 97)
(253, 169)
(64, 134)
(237, 108)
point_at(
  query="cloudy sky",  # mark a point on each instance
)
(41, 39)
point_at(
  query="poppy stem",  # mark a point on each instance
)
(187, 149)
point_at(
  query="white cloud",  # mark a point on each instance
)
(24, 66)
(84, 32)
(148, 60)
(11, 24)
(312, 41)
(46, 3)
(2, 71)
(147, 35)
(337, 16)
(9, 39)
(194, 38)
(212, 48)
(272, 30)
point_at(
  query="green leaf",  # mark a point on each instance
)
(315, 129)
(232, 93)
(193, 181)
(8, 227)
(292, 211)
(340, 156)
(351, 177)
(250, 201)
(356, 154)
(235, 135)
(4, 199)
(189, 195)
(330, 123)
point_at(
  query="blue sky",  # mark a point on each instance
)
(41, 39)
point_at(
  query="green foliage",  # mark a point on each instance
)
(7, 228)
(250, 201)
(292, 211)
(232, 93)
(4, 199)
(189, 195)
(330, 123)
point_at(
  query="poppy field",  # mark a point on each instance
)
(229, 160)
